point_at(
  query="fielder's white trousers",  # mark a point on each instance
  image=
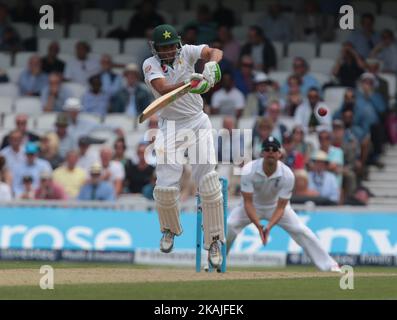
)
(291, 223)
(194, 132)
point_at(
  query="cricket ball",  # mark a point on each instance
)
(322, 111)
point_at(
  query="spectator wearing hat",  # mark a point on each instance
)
(65, 138)
(111, 81)
(321, 180)
(32, 80)
(306, 114)
(14, 154)
(260, 49)
(51, 63)
(300, 69)
(70, 176)
(32, 166)
(134, 96)
(96, 189)
(228, 100)
(49, 146)
(48, 189)
(54, 95)
(21, 124)
(95, 100)
(386, 51)
(82, 67)
(87, 156)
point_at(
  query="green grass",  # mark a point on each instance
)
(381, 287)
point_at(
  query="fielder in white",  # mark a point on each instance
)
(171, 66)
(266, 187)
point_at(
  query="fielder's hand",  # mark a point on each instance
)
(198, 83)
(212, 73)
(264, 233)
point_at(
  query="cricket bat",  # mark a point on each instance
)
(165, 100)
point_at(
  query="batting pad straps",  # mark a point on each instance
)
(167, 207)
(212, 205)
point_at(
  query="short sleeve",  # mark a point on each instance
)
(287, 186)
(239, 100)
(193, 53)
(246, 178)
(151, 71)
(215, 100)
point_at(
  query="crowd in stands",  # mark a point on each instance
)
(329, 155)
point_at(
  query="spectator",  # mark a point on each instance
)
(306, 114)
(111, 81)
(263, 129)
(21, 124)
(87, 156)
(5, 190)
(9, 37)
(189, 35)
(112, 171)
(260, 49)
(54, 95)
(82, 67)
(32, 80)
(140, 174)
(228, 100)
(386, 51)
(147, 190)
(14, 154)
(360, 197)
(335, 154)
(366, 38)
(302, 185)
(276, 26)
(257, 100)
(301, 70)
(321, 180)
(134, 96)
(292, 158)
(28, 191)
(145, 18)
(206, 28)
(273, 112)
(70, 176)
(230, 47)
(95, 100)
(96, 188)
(223, 15)
(48, 189)
(298, 138)
(351, 156)
(32, 166)
(294, 96)
(51, 63)
(243, 76)
(349, 66)
(382, 87)
(49, 145)
(66, 140)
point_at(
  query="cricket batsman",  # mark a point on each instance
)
(266, 187)
(172, 66)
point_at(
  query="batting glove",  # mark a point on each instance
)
(212, 73)
(198, 84)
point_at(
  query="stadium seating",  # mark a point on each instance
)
(251, 18)
(322, 78)
(103, 134)
(77, 89)
(279, 76)
(122, 17)
(22, 58)
(6, 105)
(13, 73)
(85, 32)
(9, 90)
(66, 57)
(285, 64)
(246, 123)
(240, 33)
(389, 8)
(322, 65)
(302, 49)
(5, 61)
(120, 120)
(24, 30)
(364, 7)
(96, 17)
(125, 58)
(342, 35)
(279, 47)
(90, 117)
(392, 82)
(109, 46)
(185, 17)
(137, 47)
(46, 121)
(9, 122)
(28, 105)
(330, 50)
(385, 22)
(67, 45)
(54, 34)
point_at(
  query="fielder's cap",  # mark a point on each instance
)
(320, 156)
(31, 148)
(72, 104)
(271, 142)
(62, 120)
(367, 76)
(46, 174)
(260, 77)
(96, 168)
(131, 67)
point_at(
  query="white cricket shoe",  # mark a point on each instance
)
(215, 254)
(167, 241)
(336, 269)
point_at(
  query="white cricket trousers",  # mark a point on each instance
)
(291, 223)
(193, 134)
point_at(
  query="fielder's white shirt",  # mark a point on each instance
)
(267, 190)
(188, 105)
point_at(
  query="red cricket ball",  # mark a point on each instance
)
(322, 111)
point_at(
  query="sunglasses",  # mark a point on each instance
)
(270, 149)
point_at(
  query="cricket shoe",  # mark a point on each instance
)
(215, 254)
(335, 268)
(167, 241)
